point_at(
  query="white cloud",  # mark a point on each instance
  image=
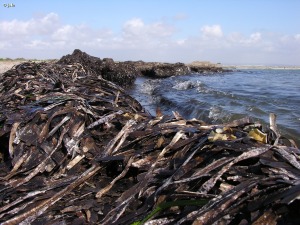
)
(38, 26)
(45, 25)
(214, 31)
(134, 27)
(37, 44)
(160, 29)
(13, 28)
(253, 39)
(49, 37)
(297, 37)
(181, 41)
(180, 16)
(63, 33)
(239, 39)
(136, 33)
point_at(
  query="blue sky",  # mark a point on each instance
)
(227, 31)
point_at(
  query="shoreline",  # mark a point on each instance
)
(124, 73)
(260, 67)
(7, 64)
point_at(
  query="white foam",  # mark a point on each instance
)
(187, 85)
(149, 86)
(216, 113)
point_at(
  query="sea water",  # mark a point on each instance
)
(223, 97)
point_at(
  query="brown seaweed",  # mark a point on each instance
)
(75, 148)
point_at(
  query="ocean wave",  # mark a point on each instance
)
(217, 113)
(256, 110)
(149, 86)
(220, 99)
(185, 85)
(217, 93)
(200, 87)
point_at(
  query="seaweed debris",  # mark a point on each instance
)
(76, 149)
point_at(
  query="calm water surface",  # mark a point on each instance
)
(219, 98)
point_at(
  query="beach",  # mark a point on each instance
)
(8, 64)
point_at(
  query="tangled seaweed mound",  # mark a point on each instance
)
(120, 73)
(76, 149)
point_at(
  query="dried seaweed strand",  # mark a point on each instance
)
(105, 119)
(109, 148)
(40, 167)
(120, 176)
(289, 157)
(17, 165)
(12, 138)
(31, 215)
(206, 187)
(205, 171)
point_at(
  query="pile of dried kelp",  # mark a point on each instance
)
(75, 149)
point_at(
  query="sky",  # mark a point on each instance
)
(240, 32)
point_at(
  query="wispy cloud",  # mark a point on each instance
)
(297, 37)
(180, 16)
(214, 31)
(137, 34)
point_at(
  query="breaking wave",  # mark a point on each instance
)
(149, 86)
(187, 85)
(218, 98)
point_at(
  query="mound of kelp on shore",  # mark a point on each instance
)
(76, 149)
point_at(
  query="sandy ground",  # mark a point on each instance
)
(6, 65)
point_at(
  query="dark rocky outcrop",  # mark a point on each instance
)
(89, 63)
(124, 73)
(165, 70)
(205, 67)
(120, 73)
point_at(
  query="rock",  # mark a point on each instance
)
(89, 63)
(124, 73)
(108, 60)
(200, 69)
(206, 67)
(119, 72)
(165, 70)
